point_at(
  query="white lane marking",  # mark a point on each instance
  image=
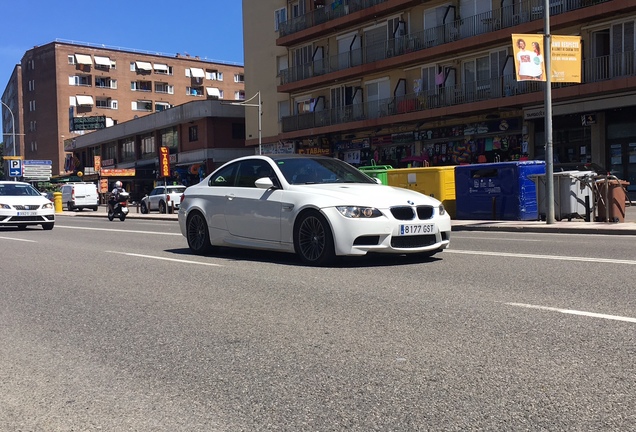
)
(17, 239)
(548, 257)
(111, 229)
(574, 312)
(166, 259)
(496, 239)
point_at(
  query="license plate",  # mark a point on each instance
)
(416, 229)
(27, 213)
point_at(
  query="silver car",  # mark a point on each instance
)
(159, 200)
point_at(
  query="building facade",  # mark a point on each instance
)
(433, 82)
(199, 136)
(62, 90)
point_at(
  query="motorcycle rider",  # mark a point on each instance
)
(114, 195)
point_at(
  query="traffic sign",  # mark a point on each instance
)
(38, 169)
(15, 168)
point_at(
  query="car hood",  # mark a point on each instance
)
(365, 194)
(24, 200)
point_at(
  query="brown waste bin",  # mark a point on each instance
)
(615, 196)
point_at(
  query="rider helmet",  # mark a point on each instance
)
(118, 184)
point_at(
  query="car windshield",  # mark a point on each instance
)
(18, 190)
(178, 189)
(320, 170)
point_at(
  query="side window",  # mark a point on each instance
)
(224, 177)
(252, 170)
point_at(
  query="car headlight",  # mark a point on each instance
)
(5, 206)
(359, 212)
(47, 206)
(442, 210)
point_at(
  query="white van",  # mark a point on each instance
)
(80, 196)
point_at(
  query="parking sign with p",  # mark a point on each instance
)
(15, 168)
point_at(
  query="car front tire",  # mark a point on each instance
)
(197, 234)
(48, 226)
(69, 206)
(144, 208)
(313, 240)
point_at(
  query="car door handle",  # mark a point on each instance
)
(229, 197)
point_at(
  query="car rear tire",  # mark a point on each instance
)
(162, 207)
(313, 240)
(48, 226)
(144, 208)
(69, 206)
(197, 234)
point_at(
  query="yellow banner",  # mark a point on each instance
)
(529, 62)
(12, 157)
(565, 59)
(118, 172)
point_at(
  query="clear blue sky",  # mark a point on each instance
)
(211, 29)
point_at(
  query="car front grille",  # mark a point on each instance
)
(26, 207)
(407, 213)
(408, 242)
(27, 219)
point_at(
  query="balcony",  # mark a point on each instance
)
(497, 19)
(595, 70)
(322, 15)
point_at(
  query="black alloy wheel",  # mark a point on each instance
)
(197, 234)
(313, 240)
(144, 208)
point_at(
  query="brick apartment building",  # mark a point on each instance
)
(402, 81)
(60, 81)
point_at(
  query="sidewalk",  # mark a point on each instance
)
(574, 227)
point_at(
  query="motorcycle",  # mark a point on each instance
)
(119, 208)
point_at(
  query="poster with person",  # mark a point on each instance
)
(529, 60)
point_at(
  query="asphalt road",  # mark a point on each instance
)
(115, 326)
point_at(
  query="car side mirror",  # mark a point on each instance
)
(264, 183)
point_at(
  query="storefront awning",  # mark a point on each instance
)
(213, 92)
(141, 65)
(83, 59)
(161, 67)
(102, 61)
(83, 100)
(197, 73)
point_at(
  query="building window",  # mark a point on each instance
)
(141, 105)
(71, 59)
(280, 16)
(219, 76)
(210, 74)
(220, 94)
(164, 88)
(194, 91)
(34, 146)
(239, 78)
(32, 105)
(239, 95)
(141, 86)
(105, 82)
(31, 85)
(110, 152)
(128, 149)
(113, 104)
(161, 106)
(79, 80)
(148, 146)
(169, 137)
(193, 133)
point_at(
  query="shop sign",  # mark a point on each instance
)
(164, 162)
(314, 151)
(88, 123)
(97, 163)
(352, 145)
(118, 172)
(108, 162)
(403, 137)
(385, 139)
(281, 147)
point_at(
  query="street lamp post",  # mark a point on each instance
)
(260, 114)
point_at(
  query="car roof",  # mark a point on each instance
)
(13, 182)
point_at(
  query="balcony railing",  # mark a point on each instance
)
(594, 70)
(321, 15)
(463, 28)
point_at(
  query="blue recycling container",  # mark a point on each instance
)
(497, 191)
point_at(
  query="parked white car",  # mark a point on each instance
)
(22, 205)
(315, 206)
(158, 200)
